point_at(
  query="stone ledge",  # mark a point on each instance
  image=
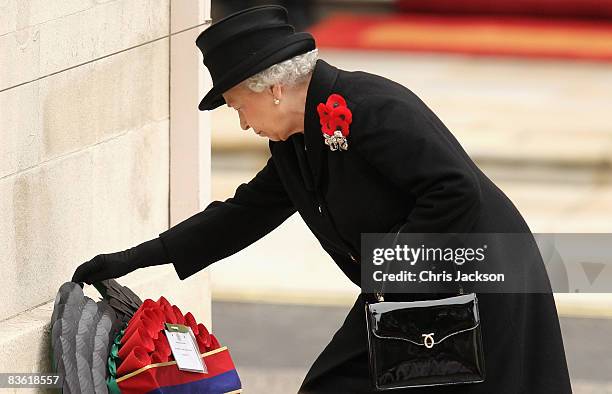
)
(594, 306)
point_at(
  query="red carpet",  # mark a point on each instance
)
(548, 8)
(478, 35)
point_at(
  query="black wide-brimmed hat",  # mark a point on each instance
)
(245, 43)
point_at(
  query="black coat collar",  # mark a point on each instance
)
(320, 87)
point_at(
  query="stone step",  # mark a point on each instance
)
(269, 272)
(544, 112)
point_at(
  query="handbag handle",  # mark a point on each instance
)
(380, 295)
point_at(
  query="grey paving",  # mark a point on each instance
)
(273, 345)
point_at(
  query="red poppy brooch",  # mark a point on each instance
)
(335, 118)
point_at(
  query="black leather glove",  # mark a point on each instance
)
(114, 265)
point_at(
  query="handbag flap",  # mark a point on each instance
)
(424, 322)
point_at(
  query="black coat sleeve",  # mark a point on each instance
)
(410, 147)
(226, 227)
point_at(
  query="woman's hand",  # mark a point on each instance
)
(114, 265)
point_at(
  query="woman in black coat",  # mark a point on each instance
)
(391, 164)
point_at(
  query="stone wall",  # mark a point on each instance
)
(88, 110)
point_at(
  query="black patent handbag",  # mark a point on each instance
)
(424, 343)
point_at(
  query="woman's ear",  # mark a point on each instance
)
(277, 91)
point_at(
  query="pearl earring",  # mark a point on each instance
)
(276, 101)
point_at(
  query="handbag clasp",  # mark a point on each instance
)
(428, 340)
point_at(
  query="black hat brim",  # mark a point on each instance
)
(276, 52)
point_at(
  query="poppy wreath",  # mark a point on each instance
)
(141, 360)
(118, 345)
(335, 118)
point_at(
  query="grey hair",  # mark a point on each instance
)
(289, 72)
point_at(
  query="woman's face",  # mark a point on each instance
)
(258, 112)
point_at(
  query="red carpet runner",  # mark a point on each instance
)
(478, 35)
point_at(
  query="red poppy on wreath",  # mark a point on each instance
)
(335, 118)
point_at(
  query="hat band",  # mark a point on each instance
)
(249, 64)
